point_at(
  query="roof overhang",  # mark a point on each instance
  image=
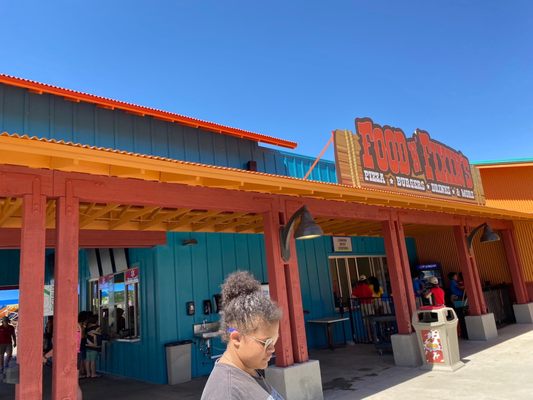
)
(75, 96)
(69, 157)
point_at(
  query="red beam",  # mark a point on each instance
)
(394, 263)
(10, 239)
(294, 297)
(515, 266)
(101, 189)
(30, 343)
(277, 285)
(18, 181)
(476, 301)
(65, 374)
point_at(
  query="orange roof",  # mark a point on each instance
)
(72, 95)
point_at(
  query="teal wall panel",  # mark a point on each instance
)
(53, 117)
(9, 267)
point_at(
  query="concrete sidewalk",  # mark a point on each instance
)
(497, 369)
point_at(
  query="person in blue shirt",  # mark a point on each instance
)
(456, 290)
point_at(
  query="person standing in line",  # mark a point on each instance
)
(8, 340)
(93, 346)
(250, 326)
(435, 293)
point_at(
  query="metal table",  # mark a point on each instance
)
(328, 322)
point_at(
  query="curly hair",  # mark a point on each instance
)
(245, 308)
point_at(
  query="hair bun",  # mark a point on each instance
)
(240, 283)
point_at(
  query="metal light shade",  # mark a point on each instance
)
(488, 235)
(307, 229)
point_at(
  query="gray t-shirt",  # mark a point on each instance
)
(227, 382)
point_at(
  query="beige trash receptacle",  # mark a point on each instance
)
(436, 330)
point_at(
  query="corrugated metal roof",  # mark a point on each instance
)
(40, 88)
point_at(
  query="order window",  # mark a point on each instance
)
(115, 299)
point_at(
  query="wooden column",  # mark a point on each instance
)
(406, 268)
(296, 311)
(515, 266)
(31, 301)
(476, 301)
(65, 374)
(278, 284)
(396, 272)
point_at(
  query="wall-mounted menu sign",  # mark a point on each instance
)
(341, 244)
(382, 156)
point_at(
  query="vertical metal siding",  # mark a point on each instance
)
(492, 262)
(440, 247)
(51, 117)
(173, 274)
(510, 188)
(524, 238)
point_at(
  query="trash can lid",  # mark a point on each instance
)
(178, 343)
(429, 308)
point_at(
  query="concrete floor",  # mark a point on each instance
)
(496, 369)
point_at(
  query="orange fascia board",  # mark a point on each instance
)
(72, 95)
(70, 157)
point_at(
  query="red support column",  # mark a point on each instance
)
(277, 285)
(515, 266)
(31, 286)
(65, 374)
(404, 257)
(394, 263)
(476, 301)
(296, 311)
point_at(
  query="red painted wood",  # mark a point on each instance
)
(65, 374)
(406, 268)
(102, 189)
(296, 309)
(31, 285)
(10, 238)
(476, 301)
(18, 181)
(515, 266)
(277, 285)
(394, 263)
(438, 218)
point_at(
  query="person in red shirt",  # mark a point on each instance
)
(8, 340)
(363, 291)
(436, 294)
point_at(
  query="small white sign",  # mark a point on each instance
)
(342, 244)
(48, 300)
(265, 289)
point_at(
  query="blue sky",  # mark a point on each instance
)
(462, 70)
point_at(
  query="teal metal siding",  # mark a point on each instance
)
(174, 274)
(52, 117)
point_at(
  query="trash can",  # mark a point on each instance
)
(436, 330)
(178, 361)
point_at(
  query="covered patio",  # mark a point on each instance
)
(70, 196)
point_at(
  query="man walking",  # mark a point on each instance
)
(8, 340)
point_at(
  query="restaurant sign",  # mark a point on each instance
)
(383, 157)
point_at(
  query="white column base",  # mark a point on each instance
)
(405, 350)
(481, 327)
(297, 382)
(523, 313)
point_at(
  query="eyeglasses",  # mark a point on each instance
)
(267, 342)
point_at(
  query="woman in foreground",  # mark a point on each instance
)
(250, 322)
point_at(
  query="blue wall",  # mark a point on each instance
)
(53, 117)
(172, 275)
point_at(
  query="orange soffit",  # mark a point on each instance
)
(72, 95)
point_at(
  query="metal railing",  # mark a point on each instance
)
(361, 310)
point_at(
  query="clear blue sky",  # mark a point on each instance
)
(462, 70)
